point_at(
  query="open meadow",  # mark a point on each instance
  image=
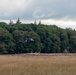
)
(38, 64)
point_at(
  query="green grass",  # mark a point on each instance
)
(37, 65)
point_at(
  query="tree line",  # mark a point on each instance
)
(36, 38)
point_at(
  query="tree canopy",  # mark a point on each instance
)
(36, 38)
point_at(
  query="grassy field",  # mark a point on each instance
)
(36, 64)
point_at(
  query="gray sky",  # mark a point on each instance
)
(59, 12)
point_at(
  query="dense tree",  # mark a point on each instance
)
(72, 42)
(55, 44)
(36, 38)
(27, 41)
(64, 41)
(5, 41)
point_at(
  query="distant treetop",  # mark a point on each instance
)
(18, 21)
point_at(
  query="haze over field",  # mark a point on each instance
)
(59, 12)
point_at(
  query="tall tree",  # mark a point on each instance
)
(11, 22)
(18, 21)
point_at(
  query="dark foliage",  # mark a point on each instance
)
(36, 38)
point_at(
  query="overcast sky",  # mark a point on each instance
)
(59, 12)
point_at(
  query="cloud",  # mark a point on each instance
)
(40, 13)
(12, 8)
(57, 11)
(62, 8)
(61, 23)
(37, 9)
